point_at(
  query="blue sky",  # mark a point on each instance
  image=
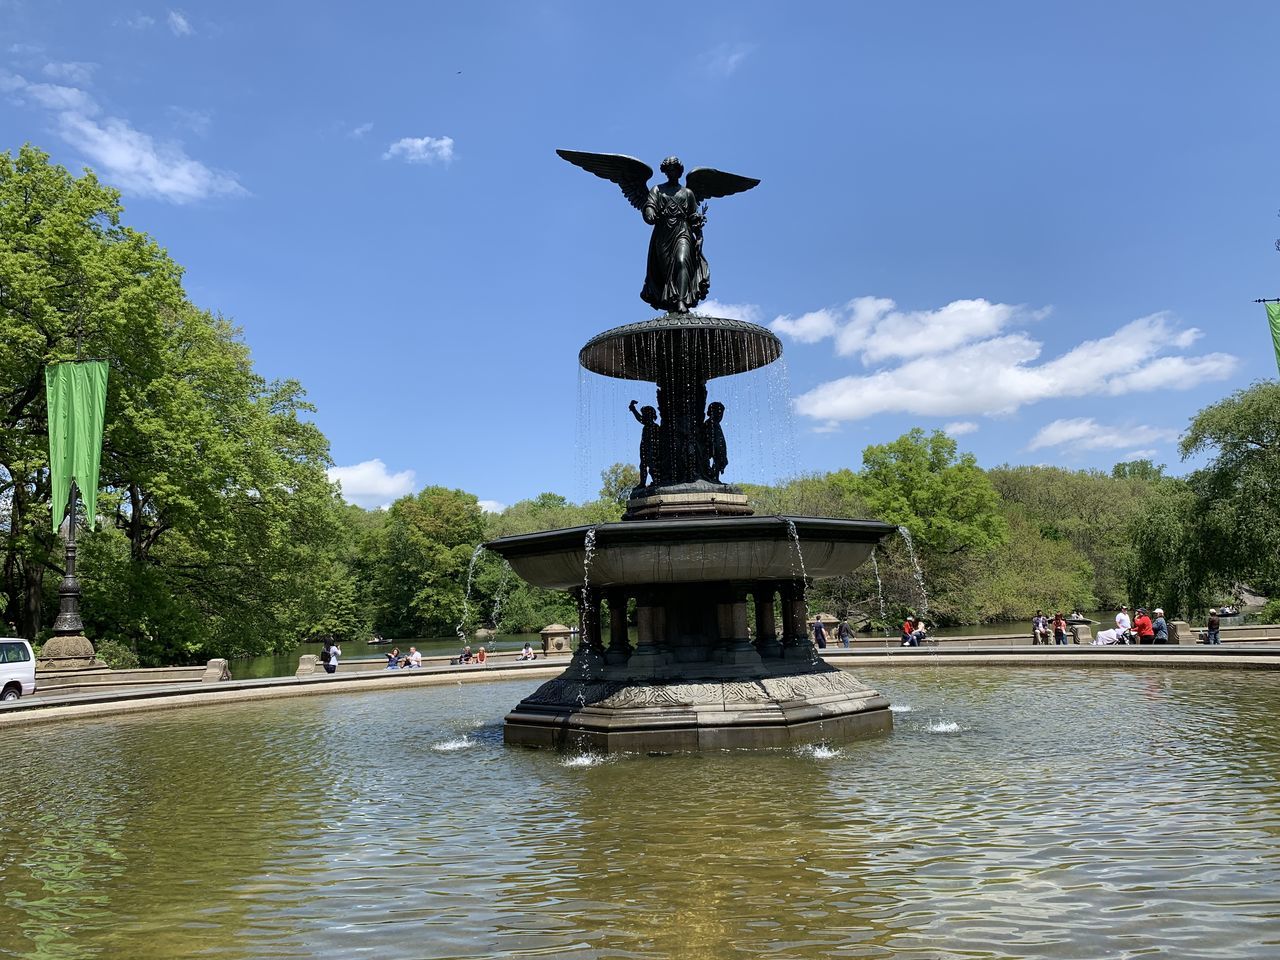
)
(1040, 225)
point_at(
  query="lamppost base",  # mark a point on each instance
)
(67, 653)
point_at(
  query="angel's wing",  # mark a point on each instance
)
(630, 174)
(707, 184)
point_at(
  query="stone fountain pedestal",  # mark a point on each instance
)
(701, 675)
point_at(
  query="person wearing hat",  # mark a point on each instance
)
(1122, 619)
(1160, 627)
(1212, 628)
(1142, 626)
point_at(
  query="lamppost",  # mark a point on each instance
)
(69, 623)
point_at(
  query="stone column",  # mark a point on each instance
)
(737, 650)
(619, 646)
(589, 660)
(648, 655)
(767, 642)
(798, 644)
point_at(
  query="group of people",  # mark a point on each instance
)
(914, 632)
(843, 634)
(1142, 628)
(1042, 628)
(409, 661)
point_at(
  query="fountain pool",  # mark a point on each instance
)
(1048, 812)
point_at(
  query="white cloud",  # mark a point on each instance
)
(724, 59)
(139, 21)
(370, 485)
(357, 133)
(1085, 433)
(871, 327)
(959, 428)
(492, 506)
(421, 150)
(954, 363)
(809, 327)
(1146, 454)
(179, 24)
(73, 71)
(729, 311)
(122, 155)
(197, 121)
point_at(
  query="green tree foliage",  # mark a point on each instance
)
(1238, 491)
(919, 482)
(617, 482)
(1088, 509)
(221, 533)
(421, 556)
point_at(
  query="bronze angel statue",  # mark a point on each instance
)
(677, 278)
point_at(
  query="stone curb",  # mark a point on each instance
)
(31, 710)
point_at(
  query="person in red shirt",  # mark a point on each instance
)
(1142, 626)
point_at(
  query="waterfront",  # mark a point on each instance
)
(1036, 813)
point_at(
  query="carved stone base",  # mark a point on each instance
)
(788, 705)
(698, 499)
(67, 653)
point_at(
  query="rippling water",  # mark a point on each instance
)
(1038, 813)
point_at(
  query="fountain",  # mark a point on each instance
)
(689, 551)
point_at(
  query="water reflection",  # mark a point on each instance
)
(1061, 814)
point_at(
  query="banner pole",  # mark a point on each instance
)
(69, 622)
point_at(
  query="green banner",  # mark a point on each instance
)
(1273, 315)
(77, 394)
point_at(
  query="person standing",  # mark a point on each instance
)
(329, 656)
(1160, 627)
(819, 634)
(1142, 625)
(1059, 630)
(1212, 627)
(1122, 619)
(843, 633)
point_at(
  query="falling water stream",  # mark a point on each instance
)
(466, 597)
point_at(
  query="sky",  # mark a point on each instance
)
(1039, 227)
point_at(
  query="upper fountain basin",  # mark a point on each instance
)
(692, 551)
(704, 347)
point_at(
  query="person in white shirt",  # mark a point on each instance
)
(1122, 619)
(415, 658)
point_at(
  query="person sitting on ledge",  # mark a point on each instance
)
(919, 634)
(481, 656)
(465, 655)
(908, 633)
(527, 653)
(393, 658)
(414, 659)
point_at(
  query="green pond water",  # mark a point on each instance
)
(1011, 813)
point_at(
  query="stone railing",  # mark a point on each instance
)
(52, 680)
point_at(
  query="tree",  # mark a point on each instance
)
(220, 530)
(1237, 508)
(617, 482)
(919, 482)
(421, 561)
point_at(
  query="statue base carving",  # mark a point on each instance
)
(698, 499)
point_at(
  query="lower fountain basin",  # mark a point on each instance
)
(692, 551)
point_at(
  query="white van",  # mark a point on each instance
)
(17, 669)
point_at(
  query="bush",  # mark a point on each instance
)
(116, 655)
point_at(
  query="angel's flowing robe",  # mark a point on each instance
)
(678, 277)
